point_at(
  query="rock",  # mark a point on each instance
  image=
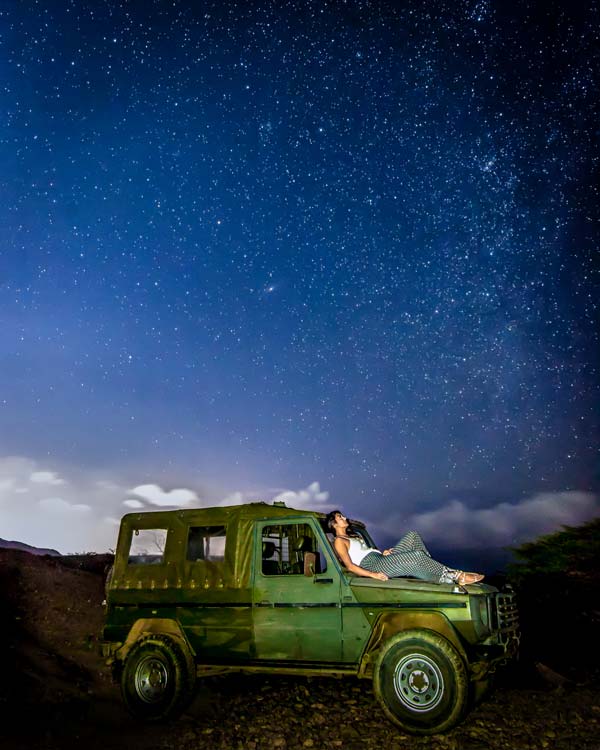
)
(551, 677)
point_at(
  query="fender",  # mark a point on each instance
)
(157, 626)
(388, 624)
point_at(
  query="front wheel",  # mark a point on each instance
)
(421, 682)
(156, 682)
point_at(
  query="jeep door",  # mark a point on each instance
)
(296, 595)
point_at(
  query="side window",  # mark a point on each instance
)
(284, 548)
(147, 547)
(206, 543)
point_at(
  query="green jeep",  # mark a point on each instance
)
(258, 588)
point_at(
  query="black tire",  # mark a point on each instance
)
(421, 681)
(156, 681)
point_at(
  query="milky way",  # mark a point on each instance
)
(250, 245)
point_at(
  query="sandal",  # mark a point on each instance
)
(465, 579)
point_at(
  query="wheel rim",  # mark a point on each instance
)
(151, 679)
(418, 682)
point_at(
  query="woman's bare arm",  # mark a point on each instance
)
(341, 547)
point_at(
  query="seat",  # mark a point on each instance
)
(270, 567)
(308, 562)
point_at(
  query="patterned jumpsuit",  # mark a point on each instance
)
(410, 557)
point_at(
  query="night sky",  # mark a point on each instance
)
(343, 252)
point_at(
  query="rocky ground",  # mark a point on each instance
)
(56, 694)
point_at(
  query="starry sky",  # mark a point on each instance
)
(342, 252)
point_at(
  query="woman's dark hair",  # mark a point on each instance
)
(330, 520)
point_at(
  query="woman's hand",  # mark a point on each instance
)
(387, 551)
(380, 576)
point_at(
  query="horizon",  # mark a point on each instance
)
(43, 508)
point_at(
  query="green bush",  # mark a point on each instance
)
(575, 550)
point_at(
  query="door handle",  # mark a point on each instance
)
(323, 580)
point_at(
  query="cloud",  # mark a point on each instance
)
(84, 513)
(73, 510)
(58, 505)
(134, 504)
(112, 521)
(235, 498)
(70, 519)
(310, 497)
(155, 495)
(46, 477)
(505, 524)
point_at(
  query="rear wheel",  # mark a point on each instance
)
(156, 682)
(421, 682)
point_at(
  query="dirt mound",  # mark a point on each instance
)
(8, 544)
(50, 621)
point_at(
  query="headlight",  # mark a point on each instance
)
(484, 614)
(480, 613)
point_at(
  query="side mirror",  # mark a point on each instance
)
(310, 560)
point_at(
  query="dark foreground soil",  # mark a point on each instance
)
(56, 694)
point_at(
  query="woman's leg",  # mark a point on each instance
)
(411, 541)
(416, 563)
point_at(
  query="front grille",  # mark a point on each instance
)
(507, 615)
